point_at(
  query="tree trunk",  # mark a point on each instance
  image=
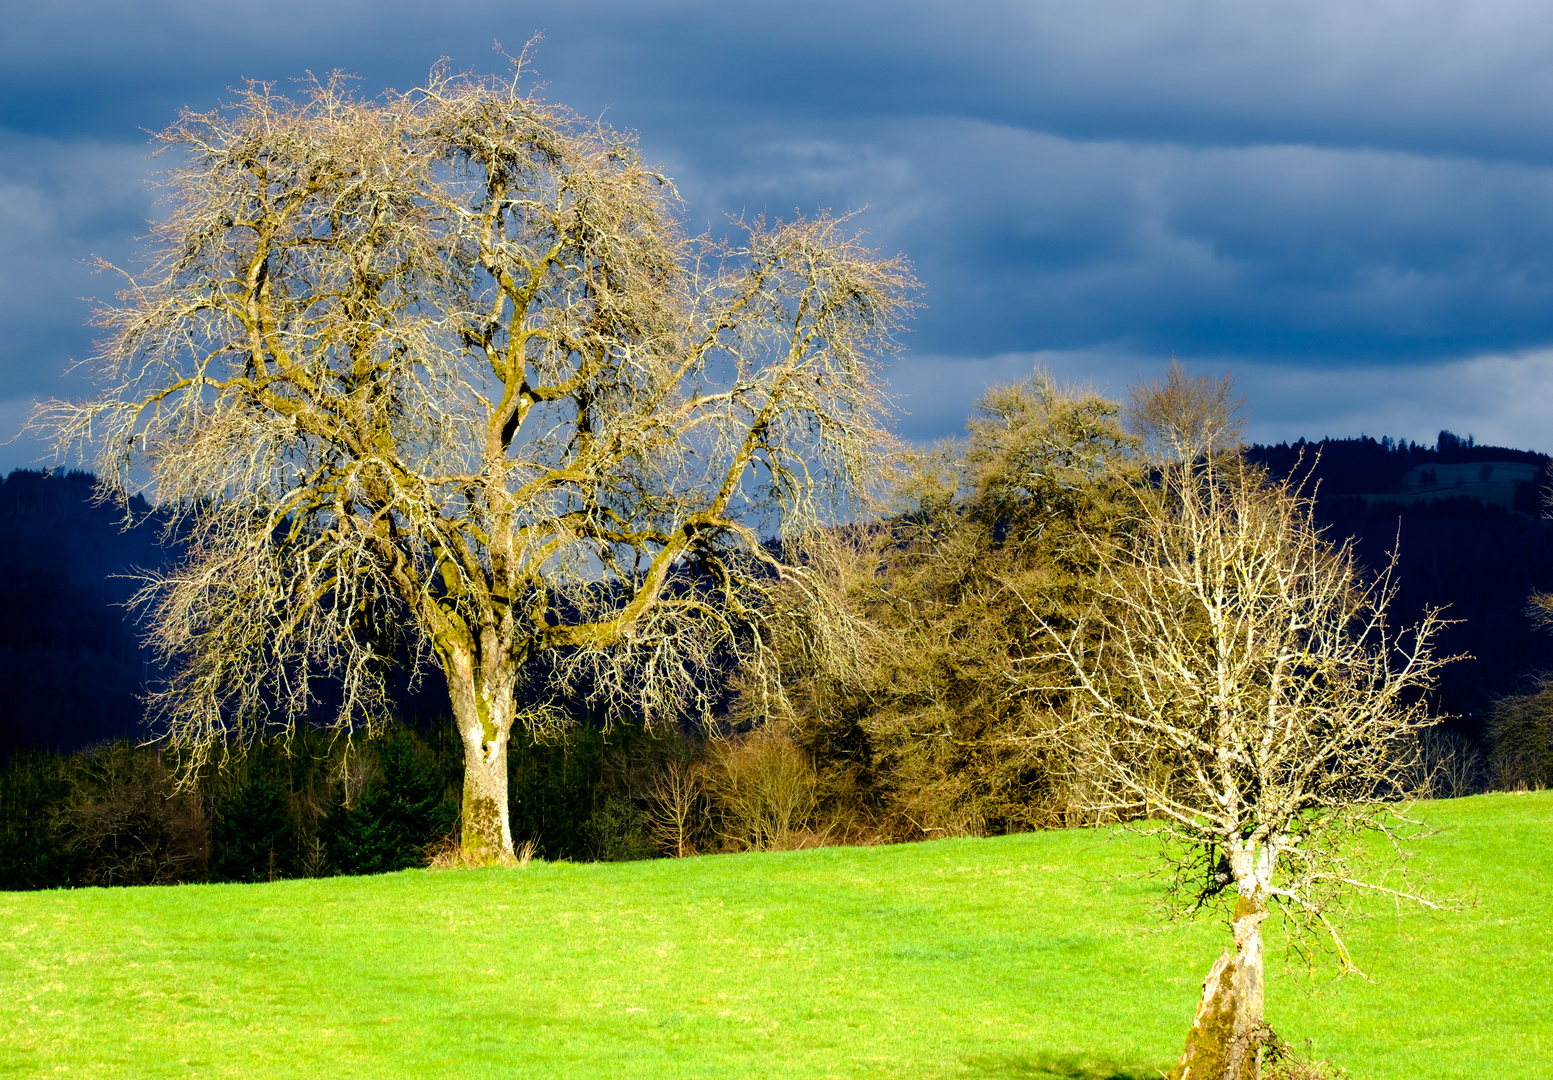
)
(484, 706)
(1228, 1034)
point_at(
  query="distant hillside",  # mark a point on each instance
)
(1380, 470)
(71, 665)
(71, 662)
(1465, 521)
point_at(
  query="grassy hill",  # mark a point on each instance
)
(1025, 956)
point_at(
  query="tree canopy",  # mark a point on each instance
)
(444, 364)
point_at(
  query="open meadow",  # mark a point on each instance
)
(1038, 955)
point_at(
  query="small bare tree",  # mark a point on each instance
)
(1181, 416)
(764, 791)
(1236, 680)
(1520, 734)
(676, 806)
(442, 363)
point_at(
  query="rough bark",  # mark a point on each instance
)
(484, 707)
(1228, 1033)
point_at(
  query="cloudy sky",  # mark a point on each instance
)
(1347, 203)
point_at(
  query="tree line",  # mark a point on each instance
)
(75, 661)
(906, 730)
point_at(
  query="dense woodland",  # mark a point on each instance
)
(911, 735)
(70, 660)
(1480, 563)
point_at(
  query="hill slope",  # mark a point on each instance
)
(72, 667)
(1478, 558)
(71, 663)
(1022, 956)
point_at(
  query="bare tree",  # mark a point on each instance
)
(443, 363)
(1520, 734)
(764, 791)
(1236, 681)
(676, 806)
(126, 823)
(1182, 417)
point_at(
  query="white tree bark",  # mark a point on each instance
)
(1229, 1033)
(484, 709)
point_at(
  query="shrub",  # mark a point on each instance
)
(256, 839)
(676, 807)
(32, 852)
(1283, 1062)
(764, 791)
(126, 823)
(618, 832)
(1450, 766)
(400, 815)
(1520, 735)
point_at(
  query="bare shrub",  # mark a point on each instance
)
(764, 792)
(676, 807)
(1520, 736)
(1449, 765)
(1283, 1062)
(125, 819)
(449, 855)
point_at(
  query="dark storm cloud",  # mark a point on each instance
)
(1435, 77)
(1275, 252)
(1339, 200)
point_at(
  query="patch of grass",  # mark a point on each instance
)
(1463, 994)
(1025, 956)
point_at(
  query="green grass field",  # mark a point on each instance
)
(1023, 956)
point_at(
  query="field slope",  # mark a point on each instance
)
(1025, 956)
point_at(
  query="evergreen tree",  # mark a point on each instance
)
(397, 818)
(32, 856)
(256, 840)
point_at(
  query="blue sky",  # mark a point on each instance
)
(1348, 204)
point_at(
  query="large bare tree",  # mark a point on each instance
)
(1236, 681)
(443, 363)
(1181, 416)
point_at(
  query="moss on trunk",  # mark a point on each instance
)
(1228, 1033)
(484, 709)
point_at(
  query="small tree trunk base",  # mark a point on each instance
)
(1228, 1035)
(1213, 1028)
